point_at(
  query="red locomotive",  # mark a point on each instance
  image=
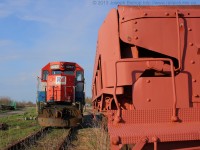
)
(146, 77)
(61, 94)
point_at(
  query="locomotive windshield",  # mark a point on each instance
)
(56, 72)
(68, 72)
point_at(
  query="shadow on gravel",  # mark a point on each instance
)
(87, 121)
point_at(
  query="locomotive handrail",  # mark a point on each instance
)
(53, 87)
(74, 100)
(179, 41)
(45, 90)
(174, 115)
(73, 92)
(61, 89)
(65, 91)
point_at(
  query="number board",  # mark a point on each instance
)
(70, 67)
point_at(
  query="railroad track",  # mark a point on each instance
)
(46, 138)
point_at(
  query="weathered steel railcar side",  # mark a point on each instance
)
(146, 76)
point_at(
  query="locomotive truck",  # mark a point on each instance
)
(146, 78)
(61, 95)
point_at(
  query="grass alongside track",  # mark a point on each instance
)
(92, 134)
(18, 127)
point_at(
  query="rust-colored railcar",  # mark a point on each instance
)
(146, 77)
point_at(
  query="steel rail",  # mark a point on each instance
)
(32, 139)
(27, 141)
(65, 142)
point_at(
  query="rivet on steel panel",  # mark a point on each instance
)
(135, 22)
(181, 25)
(117, 119)
(177, 12)
(145, 14)
(154, 138)
(196, 95)
(148, 100)
(191, 44)
(129, 38)
(144, 139)
(136, 30)
(123, 18)
(115, 140)
(136, 37)
(148, 81)
(192, 62)
(188, 13)
(194, 80)
(174, 119)
(167, 14)
(189, 29)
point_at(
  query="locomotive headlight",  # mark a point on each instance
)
(55, 67)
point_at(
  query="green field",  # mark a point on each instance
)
(18, 126)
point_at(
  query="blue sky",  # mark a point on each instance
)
(35, 32)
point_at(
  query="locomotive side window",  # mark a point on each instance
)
(45, 75)
(80, 83)
(79, 76)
